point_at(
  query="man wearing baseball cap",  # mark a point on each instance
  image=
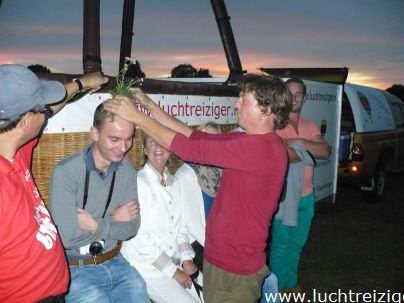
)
(33, 267)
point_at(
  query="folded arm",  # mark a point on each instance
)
(317, 147)
(124, 213)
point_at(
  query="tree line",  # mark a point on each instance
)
(135, 70)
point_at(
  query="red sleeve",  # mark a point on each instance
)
(231, 150)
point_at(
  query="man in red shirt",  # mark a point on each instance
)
(254, 165)
(32, 262)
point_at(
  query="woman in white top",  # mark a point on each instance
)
(161, 251)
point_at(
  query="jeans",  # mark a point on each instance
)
(111, 281)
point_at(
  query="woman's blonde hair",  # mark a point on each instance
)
(209, 124)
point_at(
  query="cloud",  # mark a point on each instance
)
(20, 28)
(365, 36)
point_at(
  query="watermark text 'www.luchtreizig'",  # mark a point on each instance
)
(338, 296)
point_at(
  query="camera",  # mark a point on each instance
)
(95, 248)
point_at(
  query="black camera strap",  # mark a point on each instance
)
(111, 189)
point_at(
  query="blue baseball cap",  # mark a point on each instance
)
(21, 90)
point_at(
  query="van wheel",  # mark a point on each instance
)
(378, 183)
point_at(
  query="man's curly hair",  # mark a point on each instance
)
(272, 95)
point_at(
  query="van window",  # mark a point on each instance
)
(347, 118)
(398, 114)
(397, 109)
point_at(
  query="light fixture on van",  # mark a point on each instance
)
(357, 152)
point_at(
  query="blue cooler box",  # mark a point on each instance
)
(344, 147)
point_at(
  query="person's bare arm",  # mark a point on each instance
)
(89, 81)
(292, 155)
(317, 147)
(159, 114)
(125, 108)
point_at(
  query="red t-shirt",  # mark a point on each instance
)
(32, 261)
(254, 171)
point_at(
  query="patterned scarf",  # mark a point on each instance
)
(208, 178)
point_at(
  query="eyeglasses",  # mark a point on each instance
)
(47, 111)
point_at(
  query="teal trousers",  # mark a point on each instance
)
(288, 242)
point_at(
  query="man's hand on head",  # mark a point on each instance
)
(140, 97)
(123, 107)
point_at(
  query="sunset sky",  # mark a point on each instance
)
(364, 35)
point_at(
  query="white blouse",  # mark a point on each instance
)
(162, 241)
(192, 203)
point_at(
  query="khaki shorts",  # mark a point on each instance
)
(221, 286)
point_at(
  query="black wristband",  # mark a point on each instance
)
(80, 85)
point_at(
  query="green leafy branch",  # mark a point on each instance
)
(124, 83)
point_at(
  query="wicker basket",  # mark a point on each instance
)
(54, 147)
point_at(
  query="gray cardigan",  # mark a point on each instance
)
(66, 193)
(289, 206)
